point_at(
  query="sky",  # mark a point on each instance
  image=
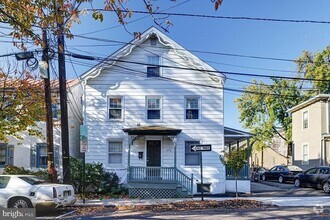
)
(283, 40)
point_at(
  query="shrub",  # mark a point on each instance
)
(14, 170)
(97, 180)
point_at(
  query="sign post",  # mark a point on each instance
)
(83, 149)
(200, 148)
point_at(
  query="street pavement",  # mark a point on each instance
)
(292, 202)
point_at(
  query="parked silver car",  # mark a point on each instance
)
(28, 191)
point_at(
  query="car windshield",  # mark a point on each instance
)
(294, 168)
(33, 180)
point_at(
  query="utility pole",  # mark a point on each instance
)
(63, 97)
(52, 173)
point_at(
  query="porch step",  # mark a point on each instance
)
(151, 185)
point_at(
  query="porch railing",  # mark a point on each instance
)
(160, 175)
(243, 174)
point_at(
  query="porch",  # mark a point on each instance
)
(158, 182)
(239, 140)
(148, 174)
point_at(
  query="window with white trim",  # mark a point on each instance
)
(305, 155)
(153, 105)
(305, 119)
(115, 108)
(191, 158)
(153, 68)
(115, 152)
(192, 108)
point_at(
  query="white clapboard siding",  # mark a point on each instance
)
(129, 81)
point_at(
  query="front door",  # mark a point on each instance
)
(153, 157)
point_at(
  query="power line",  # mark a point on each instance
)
(139, 73)
(197, 51)
(207, 61)
(135, 20)
(222, 17)
(79, 56)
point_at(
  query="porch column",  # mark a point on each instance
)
(130, 141)
(174, 140)
(129, 157)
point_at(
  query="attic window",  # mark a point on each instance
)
(153, 40)
(153, 66)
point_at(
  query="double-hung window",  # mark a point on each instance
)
(42, 155)
(115, 152)
(153, 106)
(153, 68)
(191, 158)
(305, 155)
(39, 155)
(6, 154)
(115, 108)
(192, 108)
(305, 119)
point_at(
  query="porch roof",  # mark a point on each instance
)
(233, 135)
(152, 130)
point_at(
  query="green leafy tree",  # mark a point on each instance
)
(316, 66)
(21, 103)
(263, 109)
(235, 159)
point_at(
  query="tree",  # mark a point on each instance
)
(235, 159)
(316, 66)
(21, 103)
(263, 109)
(25, 16)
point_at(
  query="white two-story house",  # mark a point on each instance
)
(145, 106)
(30, 152)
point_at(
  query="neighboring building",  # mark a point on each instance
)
(267, 158)
(310, 132)
(31, 151)
(275, 153)
(145, 106)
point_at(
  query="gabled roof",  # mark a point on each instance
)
(165, 41)
(309, 102)
(12, 83)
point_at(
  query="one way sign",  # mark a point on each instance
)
(200, 147)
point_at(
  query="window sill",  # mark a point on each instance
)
(154, 120)
(116, 120)
(193, 120)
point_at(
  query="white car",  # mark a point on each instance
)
(28, 191)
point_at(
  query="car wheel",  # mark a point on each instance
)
(326, 187)
(263, 177)
(297, 183)
(20, 203)
(280, 179)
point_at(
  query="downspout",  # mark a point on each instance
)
(322, 156)
(328, 117)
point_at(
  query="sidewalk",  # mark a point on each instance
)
(316, 201)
